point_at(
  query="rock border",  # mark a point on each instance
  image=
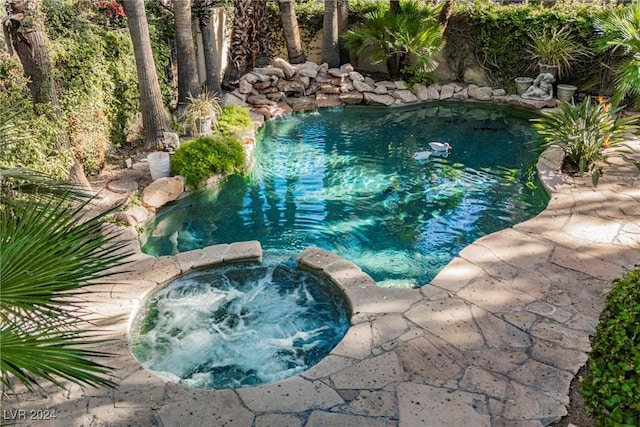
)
(282, 88)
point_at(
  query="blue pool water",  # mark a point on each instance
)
(239, 326)
(344, 179)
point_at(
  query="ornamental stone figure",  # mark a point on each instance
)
(542, 87)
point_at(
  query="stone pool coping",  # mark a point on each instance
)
(495, 339)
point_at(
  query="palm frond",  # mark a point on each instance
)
(30, 183)
(47, 252)
(53, 355)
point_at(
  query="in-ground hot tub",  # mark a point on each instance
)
(239, 325)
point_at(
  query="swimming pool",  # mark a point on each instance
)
(346, 180)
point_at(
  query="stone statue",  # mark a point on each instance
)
(542, 87)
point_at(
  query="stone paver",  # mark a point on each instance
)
(494, 340)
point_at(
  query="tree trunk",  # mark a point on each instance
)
(188, 84)
(204, 10)
(291, 32)
(31, 47)
(154, 118)
(445, 14)
(26, 39)
(394, 6)
(330, 51)
(394, 63)
(261, 33)
(393, 66)
(240, 41)
(343, 26)
(213, 81)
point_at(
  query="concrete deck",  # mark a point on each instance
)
(495, 340)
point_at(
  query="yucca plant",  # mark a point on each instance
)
(620, 34)
(414, 33)
(200, 115)
(583, 131)
(49, 256)
(558, 48)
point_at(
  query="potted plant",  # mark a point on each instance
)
(199, 117)
(555, 50)
(583, 131)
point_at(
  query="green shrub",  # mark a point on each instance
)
(612, 386)
(94, 65)
(234, 120)
(35, 130)
(498, 36)
(413, 74)
(198, 159)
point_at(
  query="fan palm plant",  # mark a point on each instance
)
(413, 33)
(620, 34)
(583, 131)
(49, 255)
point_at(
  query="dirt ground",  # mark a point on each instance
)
(577, 415)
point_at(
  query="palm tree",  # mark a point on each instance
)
(203, 10)
(394, 37)
(49, 255)
(260, 33)
(343, 26)
(154, 118)
(620, 34)
(240, 49)
(188, 83)
(445, 13)
(291, 32)
(330, 50)
(23, 27)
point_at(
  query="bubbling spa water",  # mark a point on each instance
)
(350, 180)
(239, 326)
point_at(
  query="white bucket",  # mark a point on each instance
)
(159, 164)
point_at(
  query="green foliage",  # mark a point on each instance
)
(201, 114)
(413, 74)
(309, 14)
(498, 36)
(198, 159)
(620, 30)
(557, 47)
(34, 133)
(234, 120)
(611, 388)
(47, 256)
(415, 32)
(93, 62)
(50, 254)
(583, 131)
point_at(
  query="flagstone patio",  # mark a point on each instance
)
(495, 340)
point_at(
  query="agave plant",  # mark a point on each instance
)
(583, 131)
(49, 256)
(620, 34)
(414, 33)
